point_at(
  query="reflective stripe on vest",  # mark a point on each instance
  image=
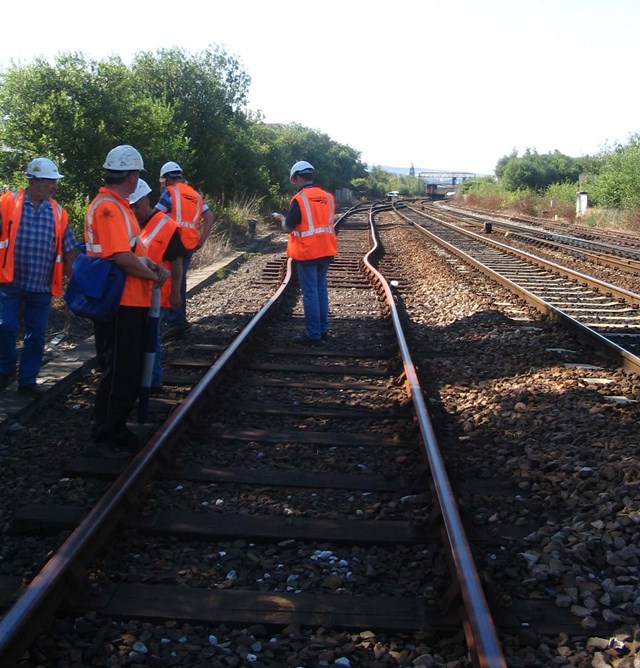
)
(148, 238)
(312, 228)
(58, 231)
(177, 209)
(10, 232)
(160, 228)
(97, 248)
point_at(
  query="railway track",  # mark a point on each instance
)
(618, 252)
(323, 444)
(535, 464)
(606, 315)
(610, 241)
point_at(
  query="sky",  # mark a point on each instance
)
(446, 85)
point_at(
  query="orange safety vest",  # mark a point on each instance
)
(11, 212)
(187, 206)
(156, 235)
(110, 215)
(315, 236)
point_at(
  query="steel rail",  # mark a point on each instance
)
(21, 623)
(569, 245)
(24, 619)
(482, 640)
(584, 239)
(614, 290)
(623, 357)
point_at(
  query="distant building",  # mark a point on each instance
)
(412, 171)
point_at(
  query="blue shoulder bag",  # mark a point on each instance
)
(95, 287)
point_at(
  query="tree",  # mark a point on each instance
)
(502, 163)
(537, 172)
(206, 92)
(170, 105)
(616, 184)
(336, 164)
(74, 112)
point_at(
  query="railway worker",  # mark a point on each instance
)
(188, 208)
(161, 237)
(112, 231)
(37, 247)
(312, 243)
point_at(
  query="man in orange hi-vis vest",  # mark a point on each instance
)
(195, 220)
(37, 247)
(313, 244)
(161, 237)
(111, 231)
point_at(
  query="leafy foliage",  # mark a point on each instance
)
(336, 164)
(206, 93)
(616, 183)
(74, 112)
(489, 193)
(536, 171)
(171, 105)
(379, 182)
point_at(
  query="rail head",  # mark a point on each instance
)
(626, 359)
(23, 620)
(481, 634)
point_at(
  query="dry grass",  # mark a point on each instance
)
(217, 245)
(230, 229)
(611, 219)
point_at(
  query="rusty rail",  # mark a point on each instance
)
(480, 631)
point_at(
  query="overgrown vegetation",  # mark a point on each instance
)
(379, 182)
(547, 185)
(170, 105)
(173, 105)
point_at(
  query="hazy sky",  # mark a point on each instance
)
(443, 85)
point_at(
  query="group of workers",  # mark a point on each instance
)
(153, 245)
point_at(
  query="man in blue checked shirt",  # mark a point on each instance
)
(37, 247)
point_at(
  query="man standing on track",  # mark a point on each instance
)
(161, 237)
(313, 244)
(188, 208)
(112, 232)
(37, 247)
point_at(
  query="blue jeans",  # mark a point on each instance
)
(312, 276)
(36, 307)
(180, 316)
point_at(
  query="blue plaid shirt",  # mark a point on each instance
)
(35, 248)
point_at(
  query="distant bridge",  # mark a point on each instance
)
(446, 177)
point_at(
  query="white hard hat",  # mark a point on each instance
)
(42, 168)
(124, 158)
(301, 166)
(141, 190)
(169, 168)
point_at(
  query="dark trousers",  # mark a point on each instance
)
(120, 348)
(179, 317)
